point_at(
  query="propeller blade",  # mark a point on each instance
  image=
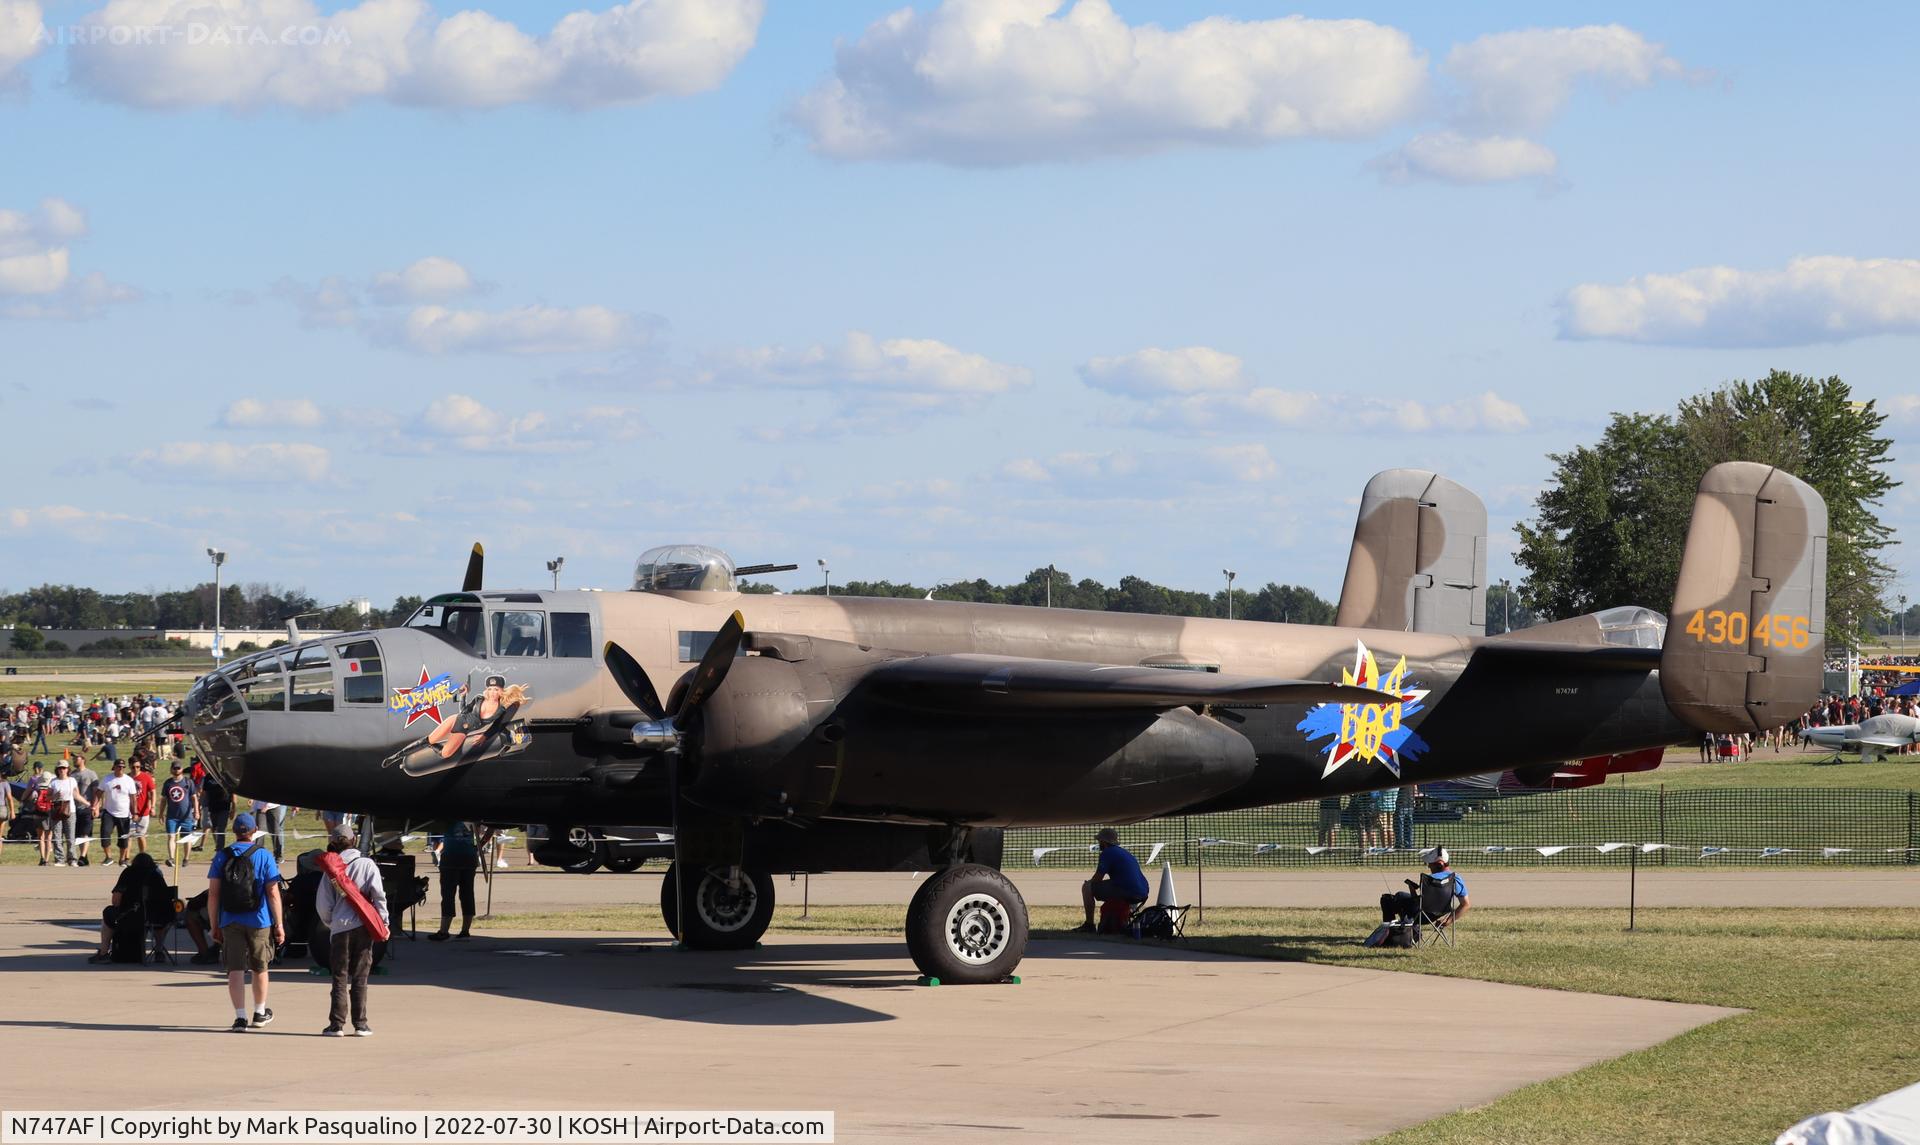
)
(475, 564)
(714, 666)
(633, 681)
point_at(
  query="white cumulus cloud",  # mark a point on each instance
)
(256, 53)
(1153, 372)
(1828, 298)
(465, 423)
(36, 267)
(1519, 81)
(520, 330)
(1007, 81)
(1508, 86)
(918, 370)
(278, 413)
(1202, 389)
(431, 279)
(1451, 157)
(20, 39)
(265, 462)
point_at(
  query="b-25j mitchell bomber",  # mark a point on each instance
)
(811, 733)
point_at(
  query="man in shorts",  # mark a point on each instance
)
(181, 797)
(1118, 876)
(247, 934)
(117, 792)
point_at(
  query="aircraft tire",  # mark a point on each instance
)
(717, 920)
(625, 864)
(967, 925)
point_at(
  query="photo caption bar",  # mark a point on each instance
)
(516, 1127)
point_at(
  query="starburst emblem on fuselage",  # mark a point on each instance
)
(1369, 732)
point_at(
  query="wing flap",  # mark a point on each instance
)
(970, 681)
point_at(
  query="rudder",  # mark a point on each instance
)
(1746, 641)
(1419, 557)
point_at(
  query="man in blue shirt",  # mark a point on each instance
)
(1116, 877)
(248, 931)
(1404, 905)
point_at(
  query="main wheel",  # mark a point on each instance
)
(967, 925)
(625, 864)
(719, 917)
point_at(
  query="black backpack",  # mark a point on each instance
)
(1156, 922)
(238, 892)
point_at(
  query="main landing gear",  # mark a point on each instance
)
(965, 925)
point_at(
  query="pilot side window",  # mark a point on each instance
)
(573, 634)
(460, 624)
(519, 634)
(265, 693)
(362, 681)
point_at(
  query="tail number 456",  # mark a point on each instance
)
(1719, 627)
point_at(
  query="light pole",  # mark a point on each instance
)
(826, 575)
(553, 566)
(1903, 626)
(1229, 574)
(1049, 586)
(218, 557)
(1506, 605)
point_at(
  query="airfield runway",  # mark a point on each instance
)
(1101, 1039)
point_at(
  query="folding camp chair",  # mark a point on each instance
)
(1145, 917)
(163, 912)
(1437, 899)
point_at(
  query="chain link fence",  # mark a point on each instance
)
(1585, 827)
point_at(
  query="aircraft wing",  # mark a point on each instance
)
(973, 682)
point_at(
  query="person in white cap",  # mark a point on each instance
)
(1405, 904)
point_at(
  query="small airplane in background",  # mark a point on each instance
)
(1874, 737)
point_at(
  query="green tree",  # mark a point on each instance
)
(1610, 526)
(27, 638)
(1503, 602)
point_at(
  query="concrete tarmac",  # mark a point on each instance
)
(1103, 1039)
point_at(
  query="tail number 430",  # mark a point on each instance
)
(1719, 627)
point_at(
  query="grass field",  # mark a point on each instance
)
(13, 688)
(1830, 995)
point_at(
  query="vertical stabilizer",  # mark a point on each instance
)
(1419, 557)
(1747, 640)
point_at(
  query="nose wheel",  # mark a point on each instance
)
(967, 925)
(721, 913)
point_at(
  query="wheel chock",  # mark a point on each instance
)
(1009, 980)
(926, 980)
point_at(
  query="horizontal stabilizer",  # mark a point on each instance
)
(970, 682)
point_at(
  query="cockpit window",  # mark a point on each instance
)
(312, 656)
(457, 624)
(519, 634)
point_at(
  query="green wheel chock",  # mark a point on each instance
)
(926, 980)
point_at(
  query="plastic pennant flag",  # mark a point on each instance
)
(1647, 847)
(1379, 850)
(1211, 842)
(1153, 856)
(1495, 850)
(1770, 852)
(1040, 853)
(1318, 850)
(1265, 848)
(1830, 852)
(1549, 852)
(1709, 852)
(1610, 848)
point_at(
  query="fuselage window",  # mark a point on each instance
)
(572, 634)
(311, 691)
(460, 624)
(312, 656)
(519, 634)
(694, 645)
(360, 671)
(265, 693)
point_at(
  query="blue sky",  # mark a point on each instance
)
(930, 293)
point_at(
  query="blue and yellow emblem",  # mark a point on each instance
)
(422, 701)
(1370, 732)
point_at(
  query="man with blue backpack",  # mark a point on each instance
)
(243, 897)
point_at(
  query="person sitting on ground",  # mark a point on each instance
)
(1117, 876)
(1405, 905)
(141, 883)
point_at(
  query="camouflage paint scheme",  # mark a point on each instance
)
(1419, 557)
(945, 713)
